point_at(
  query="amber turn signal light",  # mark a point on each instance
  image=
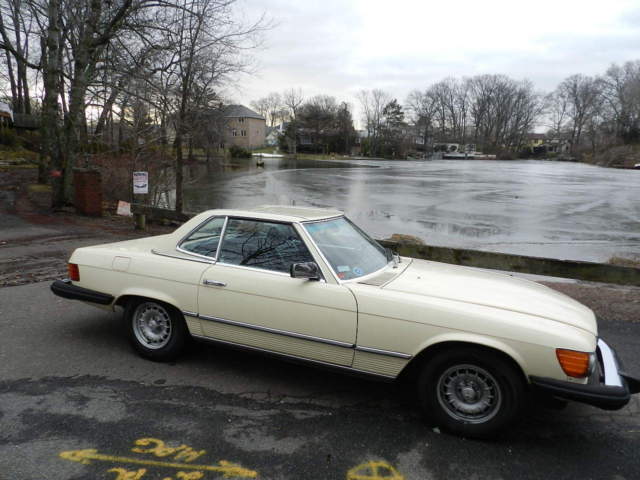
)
(74, 272)
(574, 364)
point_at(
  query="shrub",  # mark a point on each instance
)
(31, 140)
(239, 152)
(9, 137)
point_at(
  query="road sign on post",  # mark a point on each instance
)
(141, 183)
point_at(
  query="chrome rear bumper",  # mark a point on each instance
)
(66, 289)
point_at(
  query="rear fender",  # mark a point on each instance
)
(147, 293)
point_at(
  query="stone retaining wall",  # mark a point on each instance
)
(13, 177)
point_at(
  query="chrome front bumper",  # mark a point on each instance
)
(609, 387)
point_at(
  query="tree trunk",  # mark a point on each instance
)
(179, 171)
(106, 110)
(74, 121)
(50, 109)
(12, 78)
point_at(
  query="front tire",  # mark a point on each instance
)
(471, 392)
(157, 331)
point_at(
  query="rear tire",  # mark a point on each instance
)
(157, 331)
(471, 392)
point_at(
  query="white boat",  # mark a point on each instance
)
(268, 155)
(458, 156)
(468, 156)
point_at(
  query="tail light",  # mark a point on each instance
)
(74, 272)
(573, 363)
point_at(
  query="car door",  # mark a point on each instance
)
(248, 297)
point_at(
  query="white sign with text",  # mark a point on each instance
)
(140, 182)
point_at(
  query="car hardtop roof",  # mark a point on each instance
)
(281, 213)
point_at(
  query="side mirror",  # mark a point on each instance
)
(308, 270)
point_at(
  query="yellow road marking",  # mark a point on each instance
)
(227, 468)
(374, 471)
(160, 449)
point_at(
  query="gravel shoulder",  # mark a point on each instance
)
(35, 247)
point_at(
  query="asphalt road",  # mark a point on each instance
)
(69, 381)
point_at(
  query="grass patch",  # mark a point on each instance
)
(624, 262)
(20, 166)
(39, 188)
(17, 155)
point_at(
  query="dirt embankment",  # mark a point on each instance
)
(35, 244)
(621, 156)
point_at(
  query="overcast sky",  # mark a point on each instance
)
(340, 47)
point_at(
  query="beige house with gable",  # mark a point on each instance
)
(244, 127)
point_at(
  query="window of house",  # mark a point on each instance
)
(234, 132)
(243, 133)
(241, 120)
(204, 240)
(267, 245)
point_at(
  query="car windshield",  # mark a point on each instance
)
(350, 251)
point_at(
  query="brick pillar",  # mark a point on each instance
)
(88, 192)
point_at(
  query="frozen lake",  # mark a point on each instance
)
(540, 208)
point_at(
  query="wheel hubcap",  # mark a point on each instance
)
(152, 325)
(469, 393)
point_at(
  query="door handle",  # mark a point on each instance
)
(214, 283)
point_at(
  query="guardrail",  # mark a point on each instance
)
(551, 267)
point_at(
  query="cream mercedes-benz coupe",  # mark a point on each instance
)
(308, 284)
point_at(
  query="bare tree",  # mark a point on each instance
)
(556, 105)
(583, 94)
(16, 31)
(204, 49)
(422, 106)
(274, 107)
(621, 93)
(292, 99)
(261, 106)
(373, 103)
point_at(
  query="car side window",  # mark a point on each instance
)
(205, 240)
(268, 245)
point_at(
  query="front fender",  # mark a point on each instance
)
(474, 339)
(532, 359)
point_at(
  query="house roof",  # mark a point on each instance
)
(234, 111)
